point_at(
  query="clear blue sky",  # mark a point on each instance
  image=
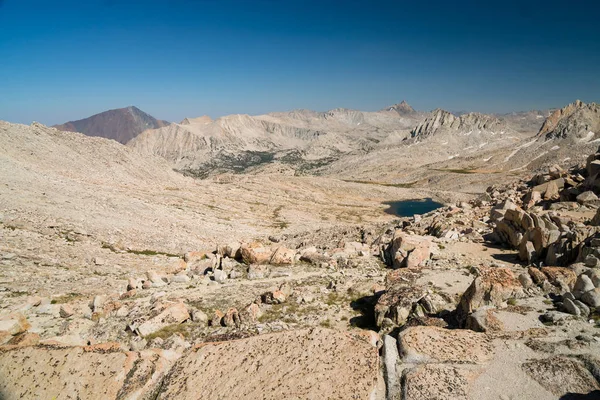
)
(65, 60)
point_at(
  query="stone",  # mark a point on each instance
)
(231, 318)
(484, 320)
(587, 197)
(431, 344)
(570, 307)
(585, 310)
(134, 283)
(219, 276)
(591, 298)
(64, 340)
(390, 372)
(591, 261)
(217, 318)
(537, 276)
(561, 375)
(199, 316)
(527, 251)
(492, 287)
(13, 324)
(66, 311)
(594, 275)
(282, 256)
(429, 381)
(277, 366)
(409, 251)
(554, 317)
(173, 314)
(583, 284)
(24, 339)
(558, 275)
(401, 294)
(258, 271)
(176, 267)
(250, 314)
(274, 297)
(255, 253)
(92, 372)
(155, 279)
(525, 280)
(97, 303)
(180, 278)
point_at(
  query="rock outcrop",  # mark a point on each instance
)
(578, 121)
(442, 120)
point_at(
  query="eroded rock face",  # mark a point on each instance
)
(430, 381)
(306, 364)
(96, 372)
(493, 287)
(401, 294)
(561, 375)
(173, 314)
(443, 120)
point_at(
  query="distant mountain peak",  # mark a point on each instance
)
(120, 124)
(578, 120)
(444, 120)
(401, 108)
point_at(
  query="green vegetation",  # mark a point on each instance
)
(66, 298)
(512, 301)
(170, 330)
(455, 171)
(326, 323)
(398, 185)
(151, 253)
(17, 294)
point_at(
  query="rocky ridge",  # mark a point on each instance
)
(577, 121)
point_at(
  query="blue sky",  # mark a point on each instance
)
(66, 60)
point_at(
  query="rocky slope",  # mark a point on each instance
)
(443, 121)
(122, 124)
(577, 121)
(299, 140)
(121, 278)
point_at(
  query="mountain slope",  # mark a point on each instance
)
(297, 138)
(122, 124)
(577, 121)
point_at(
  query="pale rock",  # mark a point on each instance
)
(258, 271)
(587, 197)
(409, 250)
(199, 316)
(583, 284)
(255, 253)
(174, 314)
(282, 256)
(390, 361)
(570, 307)
(591, 298)
(14, 324)
(155, 279)
(430, 344)
(220, 276)
(66, 311)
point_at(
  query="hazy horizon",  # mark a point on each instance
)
(67, 60)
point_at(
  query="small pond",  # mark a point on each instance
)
(408, 208)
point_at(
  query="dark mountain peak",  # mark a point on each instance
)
(401, 108)
(120, 124)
